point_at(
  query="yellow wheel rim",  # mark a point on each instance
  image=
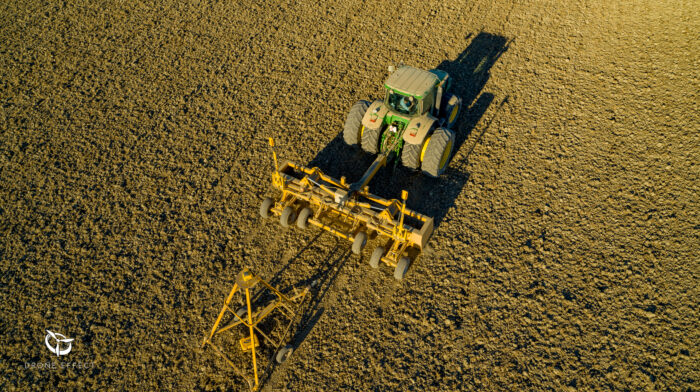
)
(362, 130)
(446, 154)
(453, 115)
(425, 147)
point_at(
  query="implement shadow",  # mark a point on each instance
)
(319, 284)
(434, 197)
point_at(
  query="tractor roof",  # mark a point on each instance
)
(411, 81)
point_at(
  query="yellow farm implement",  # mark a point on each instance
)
(349, 211)
(246, 323)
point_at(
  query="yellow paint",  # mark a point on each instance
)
(246, 345)
(425, 147)
(274, 155)
(401, 232)
(445, 155)
(453, 115)
(252, 335)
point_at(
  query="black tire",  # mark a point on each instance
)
(376, 257)
(303, 218)
(359, 242)
(370, 140)
(266, 206)
(438, 152)
(353, 123)
(287, 217)
(401, 268)
(284, 354)
(410, 155)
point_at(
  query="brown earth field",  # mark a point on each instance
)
(134, 156)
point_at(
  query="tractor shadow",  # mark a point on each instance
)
(431, 196)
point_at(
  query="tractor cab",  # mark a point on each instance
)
(406, 105)
(411, 91)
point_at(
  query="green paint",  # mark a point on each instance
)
(418, 97)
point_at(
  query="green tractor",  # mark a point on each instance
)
(414, 120)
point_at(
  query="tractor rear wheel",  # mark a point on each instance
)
(437, 152)
(410, 155)
(370, 140)
(353, 123)
(401, 268)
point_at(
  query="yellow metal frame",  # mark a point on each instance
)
(344, 216)
(288, 306)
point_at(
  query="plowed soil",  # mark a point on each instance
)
(133, 158)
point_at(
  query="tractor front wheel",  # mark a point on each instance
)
(452, 105)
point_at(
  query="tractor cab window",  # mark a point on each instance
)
(403, 104)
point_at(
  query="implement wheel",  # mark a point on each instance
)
(376, 257)
(265, 207)
(359, 242)
(437, 152)
(287, 217)
(401, 268)
(353, 123)
(284, 353)
(303, 219)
